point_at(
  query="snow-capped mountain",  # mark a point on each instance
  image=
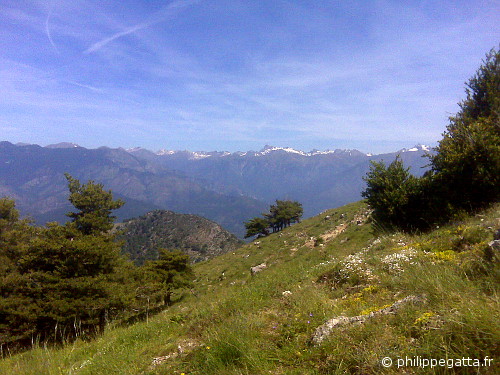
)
(63, 145)
(267, 150)
(318, 179)
(417, 148)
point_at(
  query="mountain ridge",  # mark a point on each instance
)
(266, 150)
(318, 179)
(34, 177)
(228, 188)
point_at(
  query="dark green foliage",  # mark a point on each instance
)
(8, 213)
(280, 215)
(14, 234)
(468, 164)
(256, 227)
(465, 174)
(482, 99)
(196, 236)
(61, 282)
(283, 214)
(466, 167)
(63, 251)
(388, 190)
(171, 271)
(94, 205)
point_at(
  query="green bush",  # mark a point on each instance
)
(61, 282)
(394, 195)
(466, 165)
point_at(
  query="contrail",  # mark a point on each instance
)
(92, 88)
(47, 29)
(94, 47)
(159, 17)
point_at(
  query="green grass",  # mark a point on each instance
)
(234, 323)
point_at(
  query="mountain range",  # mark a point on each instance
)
(228, 188)
(318, 179)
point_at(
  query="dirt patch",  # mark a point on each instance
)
(328, 236)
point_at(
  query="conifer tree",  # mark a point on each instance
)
(466, 166)
(15, 235)
(280, 215)
(94, 205)
(64, 280)
(256, 226)
(170, 272)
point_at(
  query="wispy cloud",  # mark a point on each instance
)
(89, 87)
(47, 29)
(97, 46)
(161, 16)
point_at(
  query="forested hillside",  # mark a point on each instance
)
(196, 236)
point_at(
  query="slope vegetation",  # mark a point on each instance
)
(332, 298)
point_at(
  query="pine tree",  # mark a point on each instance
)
(281, 215)
(257, 226)
(94, 205)
(171, 271)
(61, 281)
(465, 169)
(466, 166)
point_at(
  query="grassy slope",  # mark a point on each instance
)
(235, 323)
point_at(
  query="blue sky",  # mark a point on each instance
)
(236, 75)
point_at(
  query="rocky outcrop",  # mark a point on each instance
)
(324, 330)
(258, 268)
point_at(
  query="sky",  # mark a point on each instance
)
(233, 75)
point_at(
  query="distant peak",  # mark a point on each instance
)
(63, 145)
(165, 152)
(193, 154)
(417, 148)
(267, 149)
(134, 149)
